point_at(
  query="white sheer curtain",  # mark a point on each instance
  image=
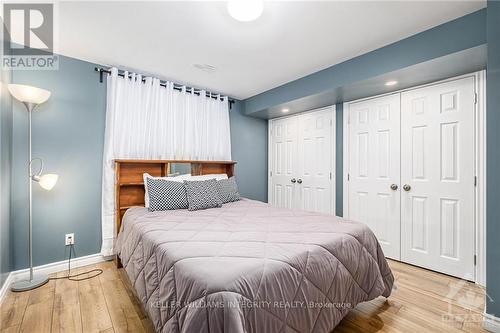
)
(147, 121)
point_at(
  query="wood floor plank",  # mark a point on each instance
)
(361, 322)
(121, 309)
(109, 271)
(66, 318)
(132, 294)
(15, 299)
(66, 315)
(94, 311)
(423, 301)
(11, 329)
(148, 325)
(349, 326)
(42, 294)
(37, 317)
(12, 316)
(13, 308)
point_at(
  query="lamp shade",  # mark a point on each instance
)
(28, 94)
(48, 181)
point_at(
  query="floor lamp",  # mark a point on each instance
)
(31, 97)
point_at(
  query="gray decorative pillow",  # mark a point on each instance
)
(202, 194)
(166, 195)
(228, 190)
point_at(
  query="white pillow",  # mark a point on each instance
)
(145, 176)
(180, 178)
(216, 176)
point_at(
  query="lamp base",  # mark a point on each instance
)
(38, 280)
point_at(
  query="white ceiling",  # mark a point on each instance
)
(290, 39)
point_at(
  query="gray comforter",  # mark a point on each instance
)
(250, 267)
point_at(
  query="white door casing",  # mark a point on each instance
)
(437, 162)
(284, 162)
(315, 161)
(374, 160)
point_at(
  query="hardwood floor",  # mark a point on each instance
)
(424, 301)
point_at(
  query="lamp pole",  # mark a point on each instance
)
(40, 279)
(31, 97)
(30, 107)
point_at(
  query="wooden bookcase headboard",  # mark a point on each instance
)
(129, 184)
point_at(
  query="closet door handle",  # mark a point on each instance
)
(293, 180)
(406, 187)
(394, 187)
(299, 181)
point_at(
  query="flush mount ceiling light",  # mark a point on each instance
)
(245, 10)
(285, 110)
(391, 83)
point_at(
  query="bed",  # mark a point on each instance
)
(248, 266)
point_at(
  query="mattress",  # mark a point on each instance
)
(250, 267)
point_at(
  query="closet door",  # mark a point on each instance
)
(314, 181)
(437, 170)
(374, 169)
(284, 162)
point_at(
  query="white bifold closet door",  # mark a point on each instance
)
(437, 163)
(284, 162)
(411, 174)
(374, 169)
(301, 165)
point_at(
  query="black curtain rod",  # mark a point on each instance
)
(190, 90)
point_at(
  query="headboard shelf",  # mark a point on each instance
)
(173, 161)
(129, 183)
(132, 184)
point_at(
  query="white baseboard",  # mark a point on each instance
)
(54, 267)
(491, 323)
(5, 286)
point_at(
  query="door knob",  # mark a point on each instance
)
(394, 187)
(293, 180)
(299, 181)
(406, 187)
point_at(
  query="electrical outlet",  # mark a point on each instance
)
(70, 239)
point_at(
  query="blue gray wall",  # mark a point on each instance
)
(466, 32)
(463, 33)
(493, 160)
(5, 175)
(249, 149)
(68, 133)
(454, 36)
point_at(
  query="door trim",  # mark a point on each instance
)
(480, 190)
(480, 167)
(332, 162)
(269, 162)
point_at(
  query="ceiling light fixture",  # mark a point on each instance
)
(245, 10)
(391, 83)
(285, 110)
